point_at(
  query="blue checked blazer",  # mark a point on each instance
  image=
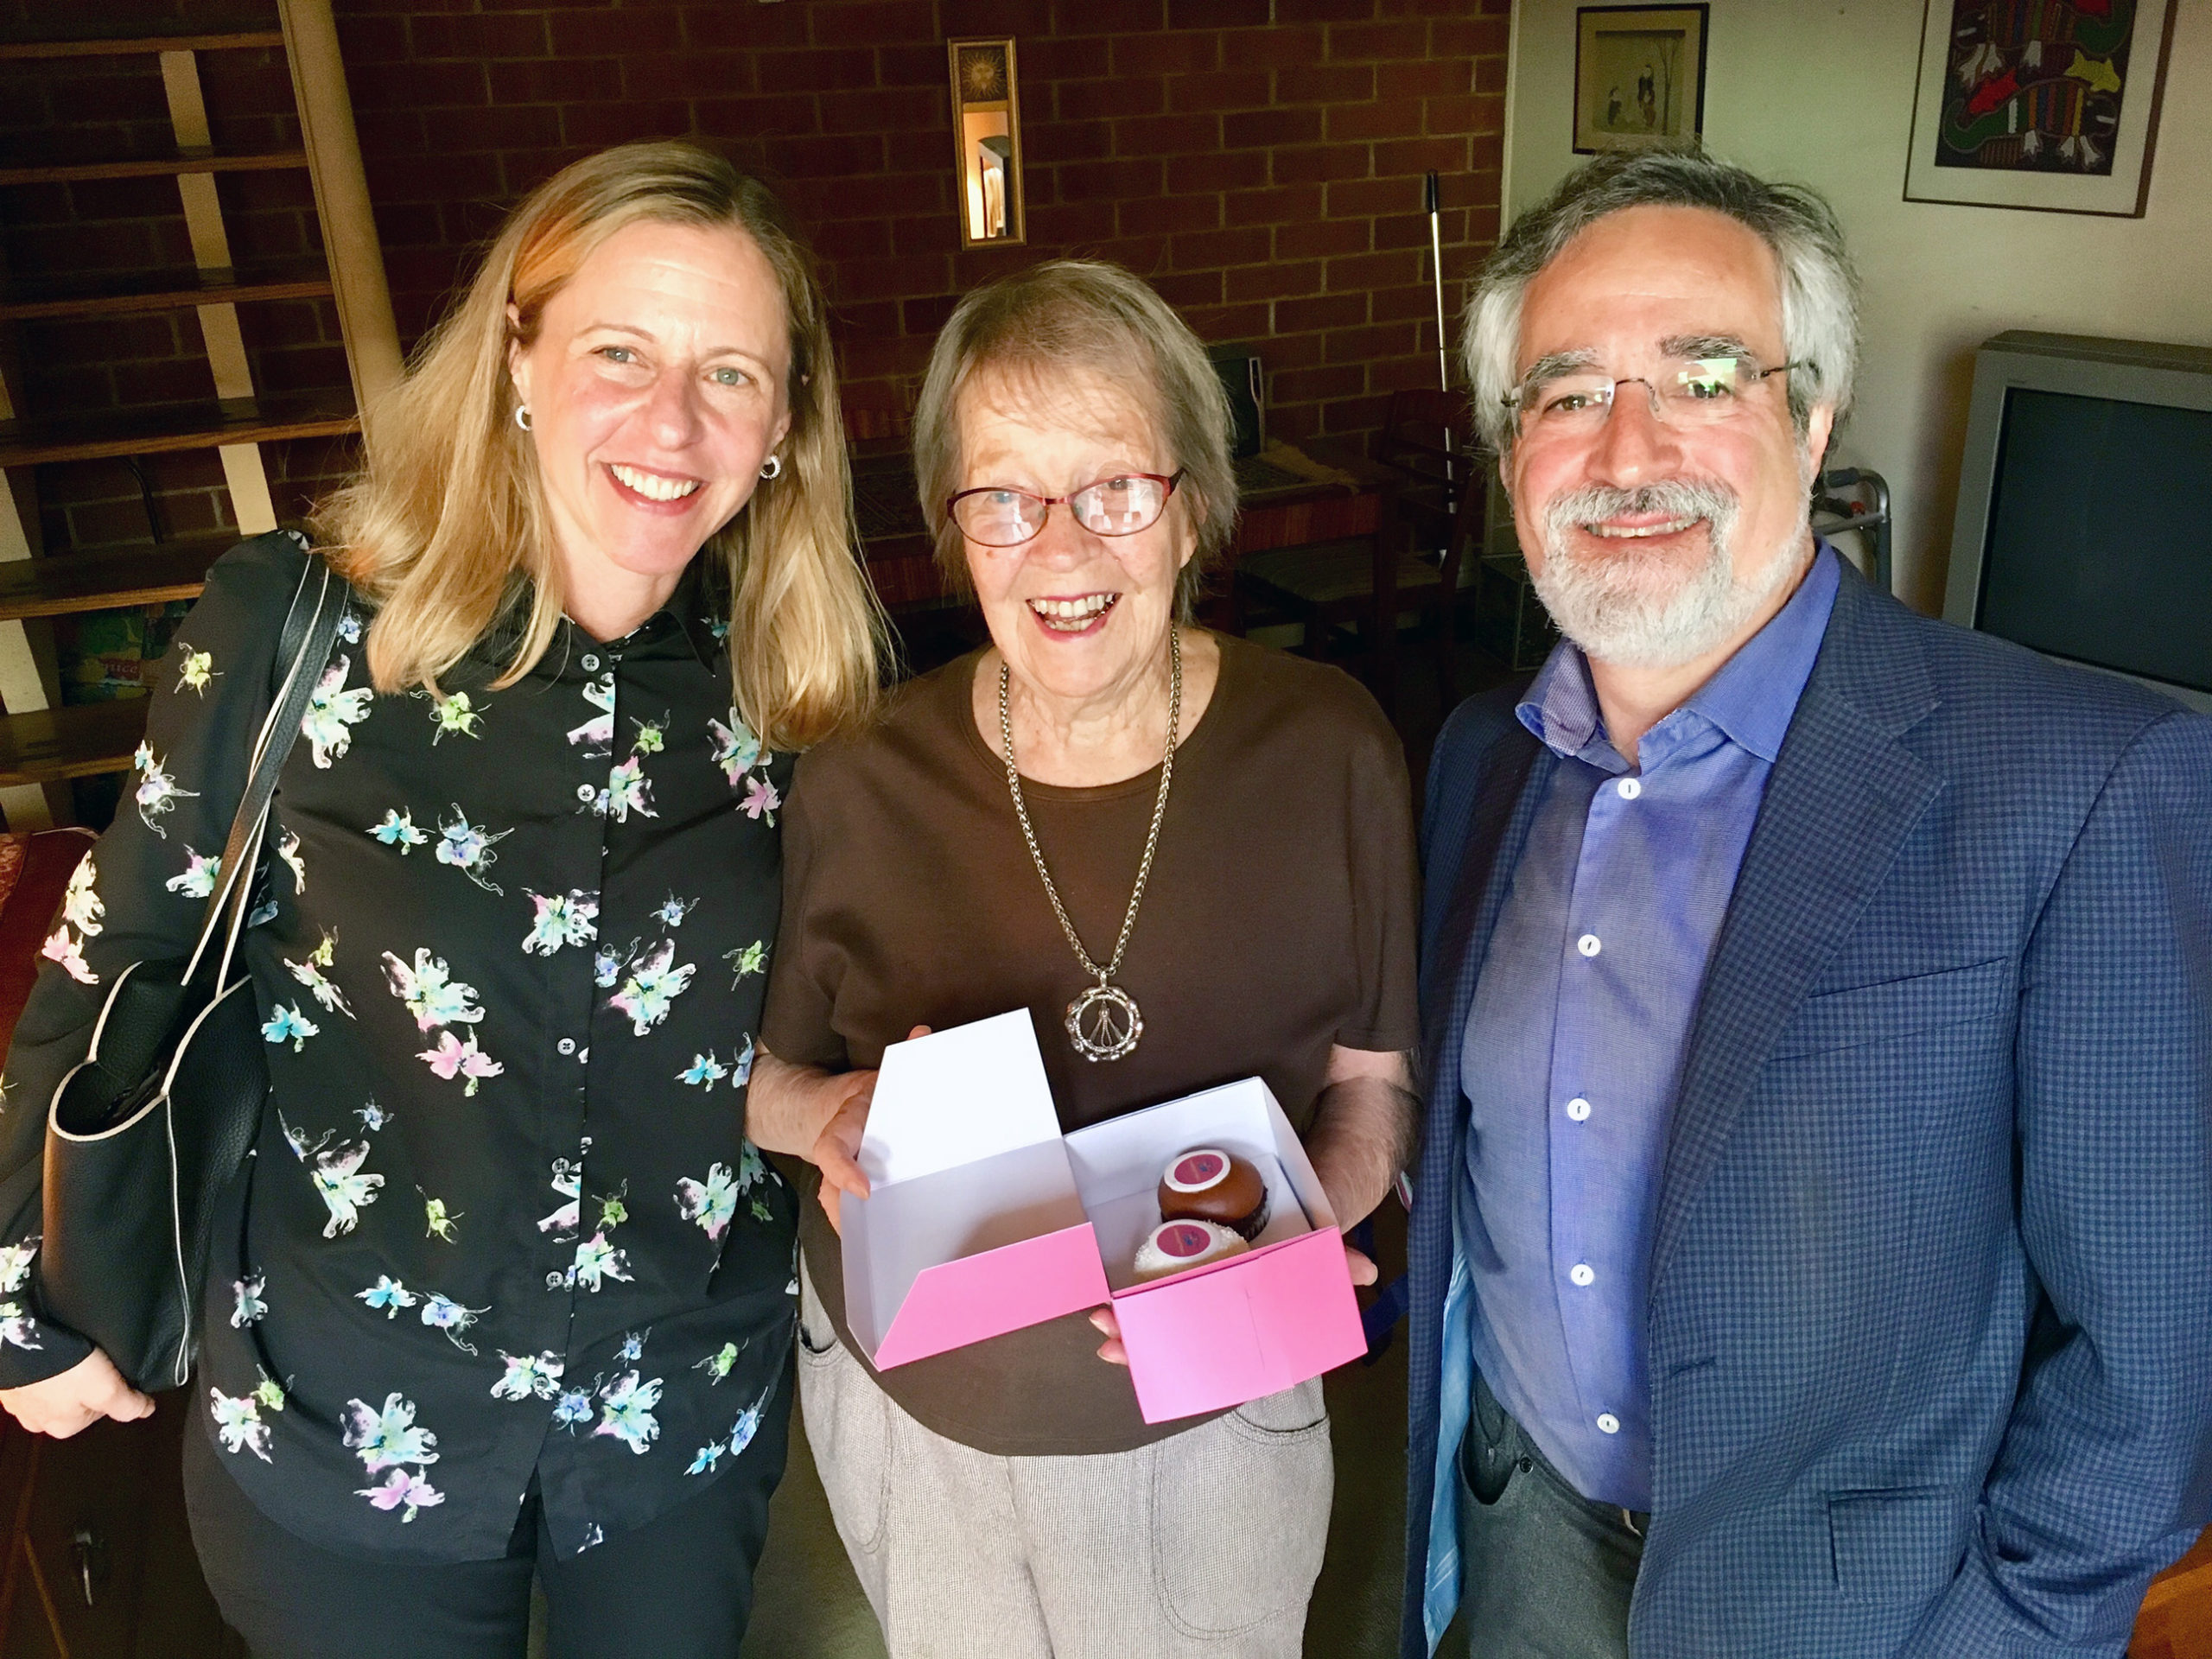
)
(1930, 1318)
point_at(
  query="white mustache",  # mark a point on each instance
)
(1684, 500)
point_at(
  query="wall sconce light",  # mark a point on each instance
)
(986, 142)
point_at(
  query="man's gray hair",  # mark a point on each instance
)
(1820, 290)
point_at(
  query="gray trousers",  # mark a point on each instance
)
(1202, 1546)
(1546, 1573)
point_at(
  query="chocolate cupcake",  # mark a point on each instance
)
(1206, 1184)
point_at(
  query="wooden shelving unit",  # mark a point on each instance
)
(40, 744)
(52, 746)
(98, 45)
(119, 293)
(160, 427)
(194, 159)
(99, 582)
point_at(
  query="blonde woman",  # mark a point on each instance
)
(508, 1290)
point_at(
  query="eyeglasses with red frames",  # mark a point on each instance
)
(994, 516)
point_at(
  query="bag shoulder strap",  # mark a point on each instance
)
(310, 628)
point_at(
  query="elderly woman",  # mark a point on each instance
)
(1192, 858)
(508, 1290)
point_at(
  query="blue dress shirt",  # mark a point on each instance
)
(1581, 1014)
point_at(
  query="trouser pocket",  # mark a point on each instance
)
(1240, 1513)
(847, 1419)
(1491, 1453)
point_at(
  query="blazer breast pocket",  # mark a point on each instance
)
(1895, 1008)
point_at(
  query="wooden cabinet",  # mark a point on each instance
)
(100, 1561)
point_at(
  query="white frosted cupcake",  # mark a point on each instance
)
(1177, 1246)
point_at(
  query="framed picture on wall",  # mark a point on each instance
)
(1639, 77)
(2052, 107)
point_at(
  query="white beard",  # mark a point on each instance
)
(1635, 612)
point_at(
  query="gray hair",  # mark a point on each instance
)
(1820, 290)
(1080, 316)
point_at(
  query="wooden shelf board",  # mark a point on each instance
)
(48, 745)
(113, 293)
(147, 167)
(65, 583)
(170, 427)
(123, 46)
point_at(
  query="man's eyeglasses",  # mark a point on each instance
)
(995, 516)
(1685, 391)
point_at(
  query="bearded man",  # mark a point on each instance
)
(1812, 1253)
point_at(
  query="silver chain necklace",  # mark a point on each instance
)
(1103, 1023)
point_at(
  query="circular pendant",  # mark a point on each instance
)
(1103, 1023)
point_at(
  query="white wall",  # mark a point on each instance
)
(1822, 91)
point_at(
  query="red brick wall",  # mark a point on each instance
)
(1259, 160)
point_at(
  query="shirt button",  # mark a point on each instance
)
(1588, 945)
(590, 663)
(1581, 1274)
(1628, 789)
(584, 791)
(1608, 1424)
(1579, 1110)
(567, 1045)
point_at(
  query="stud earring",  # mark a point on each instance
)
(522, 416)
(772, 467)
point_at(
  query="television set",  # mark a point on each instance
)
(2084, 526)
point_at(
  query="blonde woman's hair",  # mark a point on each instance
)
(1069, 316)
(446, 534)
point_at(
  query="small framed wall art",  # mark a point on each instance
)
(986, 141)
(1639, 77)
(2052, 107)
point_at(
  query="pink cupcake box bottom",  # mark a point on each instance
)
(983, 1218)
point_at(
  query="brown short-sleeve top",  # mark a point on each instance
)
(1279, 920)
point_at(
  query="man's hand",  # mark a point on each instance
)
(1362, 1270)
(63, 1403)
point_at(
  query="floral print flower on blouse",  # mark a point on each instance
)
(626, 1412)
(195, 669)
(157, 793)
(17, 1328)
(246, 1303)
(397, 829)
(238, 1425)
(333, 712)
(200, 874)
(652, 984)
(389, 1439)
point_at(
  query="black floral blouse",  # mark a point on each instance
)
(502, 1217)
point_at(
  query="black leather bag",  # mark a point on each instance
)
(144, 1135)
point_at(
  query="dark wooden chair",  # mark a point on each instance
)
(1424, 439)
(1350, 594)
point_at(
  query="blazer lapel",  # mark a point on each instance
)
(1844, 794)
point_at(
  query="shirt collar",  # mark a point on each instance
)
(1752, 698)
(701, 606)
(697, 607)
